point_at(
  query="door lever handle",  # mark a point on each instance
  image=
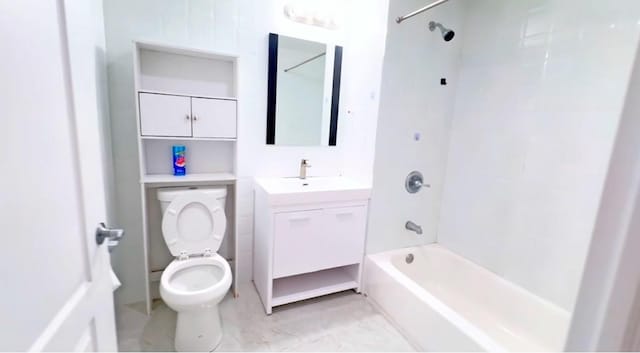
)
(112, 234)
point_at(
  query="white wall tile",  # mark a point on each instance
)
(539, 95)
(413, 101)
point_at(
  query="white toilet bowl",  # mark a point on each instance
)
(194, 288)
(193, 285)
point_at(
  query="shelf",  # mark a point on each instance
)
(186, 138)
(309, 285)
(183, 50)
(189, 178)
(153, 91)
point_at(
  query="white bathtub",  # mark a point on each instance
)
(444, 302)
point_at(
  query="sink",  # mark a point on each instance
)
(287, 191)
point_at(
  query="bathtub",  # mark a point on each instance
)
(444, 302)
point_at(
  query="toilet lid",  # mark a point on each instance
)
(192, 223)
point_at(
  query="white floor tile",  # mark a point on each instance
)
(339, 322)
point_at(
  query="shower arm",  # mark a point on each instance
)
(419, 11)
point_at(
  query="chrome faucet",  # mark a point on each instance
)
(304, 164)
(413, 227)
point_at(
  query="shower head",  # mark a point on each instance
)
(447, 34)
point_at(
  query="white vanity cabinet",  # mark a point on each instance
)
(184, 116)
(308, 242)
(336, 236)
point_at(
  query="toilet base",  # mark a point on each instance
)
(198, 331)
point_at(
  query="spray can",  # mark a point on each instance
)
(179, 161)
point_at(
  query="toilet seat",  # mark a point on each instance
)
(194, 224)
(174, 292)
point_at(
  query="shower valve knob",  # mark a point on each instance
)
(414, 182)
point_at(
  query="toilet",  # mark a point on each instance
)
(193, 227)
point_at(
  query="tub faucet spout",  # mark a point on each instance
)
(413, 227)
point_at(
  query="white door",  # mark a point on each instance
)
(56, 293)
(165, 115)
(213, 117)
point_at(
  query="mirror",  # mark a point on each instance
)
(303, 92)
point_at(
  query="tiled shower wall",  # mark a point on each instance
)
(414, 123)
(540, 92)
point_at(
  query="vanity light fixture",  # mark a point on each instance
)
(323, 14)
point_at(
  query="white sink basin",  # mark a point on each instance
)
(289, 191)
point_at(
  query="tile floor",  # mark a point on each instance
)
(339, 322)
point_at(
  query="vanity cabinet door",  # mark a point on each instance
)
(342, 235)
(165, 115)
(214, 117)
(295, 246)
(314, 240)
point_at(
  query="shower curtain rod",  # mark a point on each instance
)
(419, 11)
(306, 61)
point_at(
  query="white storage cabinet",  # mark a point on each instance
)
(183, 116)
(184, 96)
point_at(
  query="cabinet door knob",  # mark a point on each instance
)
(188, 117)
(195, 118)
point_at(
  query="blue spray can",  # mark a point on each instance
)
(179, 161)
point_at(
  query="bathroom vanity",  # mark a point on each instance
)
(309, 237)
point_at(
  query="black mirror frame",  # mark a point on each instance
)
(273, 84)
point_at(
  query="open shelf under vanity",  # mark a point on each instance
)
(308, 285)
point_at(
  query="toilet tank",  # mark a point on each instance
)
(166, 195)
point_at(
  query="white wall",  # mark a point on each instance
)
(538, 100)
(413, 102)
(242, 27)
(605, 315)
(363, 41)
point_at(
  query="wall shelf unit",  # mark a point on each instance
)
(184, 96)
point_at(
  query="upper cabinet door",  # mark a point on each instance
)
(165, 115)
(214, 117)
